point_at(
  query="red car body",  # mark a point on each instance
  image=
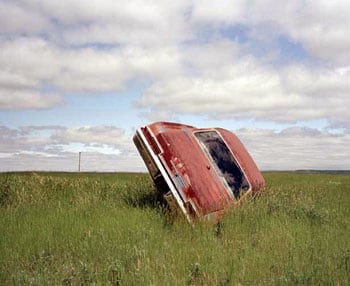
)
(206, 171)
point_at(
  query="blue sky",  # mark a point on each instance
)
(81, 76)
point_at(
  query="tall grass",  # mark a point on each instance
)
(83, 229)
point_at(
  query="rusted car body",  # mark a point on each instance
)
(205, 171)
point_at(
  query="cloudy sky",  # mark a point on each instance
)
(81, 76)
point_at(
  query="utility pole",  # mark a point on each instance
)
(79, 161)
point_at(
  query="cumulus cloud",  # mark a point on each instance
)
(158, 115)
(225, 12)
(320, 26)
(245, 87)
(218, 59)
(296, 148)
(43, 138)
(104, 148)
(163, 42)
(108, 148)
(35, 62)
(132, 22)
(95, 136)
(12, 99)
(31, 64)
(68, 162)
(18, 18)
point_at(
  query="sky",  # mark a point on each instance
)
(82, 76)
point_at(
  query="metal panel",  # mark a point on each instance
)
(164, 174)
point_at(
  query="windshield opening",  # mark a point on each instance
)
(224, 162)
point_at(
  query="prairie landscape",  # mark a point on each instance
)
(111, 229)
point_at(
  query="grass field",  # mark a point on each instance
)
(83, 229)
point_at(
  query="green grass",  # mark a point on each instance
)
(83, 229)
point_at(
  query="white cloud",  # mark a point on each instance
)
(158, 115)
(88, 149)
(50, 148)
(245, 87)
(93, 162)
(219, 12)
(107, 21)
(18, 18)
(31, 64)
(12, 99)
(46, 138)
(320, 26)
(16, 80)
(108, 148)
(108, 136)
(297, 148)
(49, 49)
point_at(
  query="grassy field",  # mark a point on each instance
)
(83, 229)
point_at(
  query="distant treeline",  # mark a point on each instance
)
(333, 172)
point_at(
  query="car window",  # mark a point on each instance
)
(223, 161)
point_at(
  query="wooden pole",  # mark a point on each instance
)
(79, 161)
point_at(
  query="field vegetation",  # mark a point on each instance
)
(111, 229)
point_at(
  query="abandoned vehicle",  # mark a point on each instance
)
(203, 171)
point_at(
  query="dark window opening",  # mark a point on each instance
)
(223, 161)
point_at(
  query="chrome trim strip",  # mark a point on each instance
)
(164, 174)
